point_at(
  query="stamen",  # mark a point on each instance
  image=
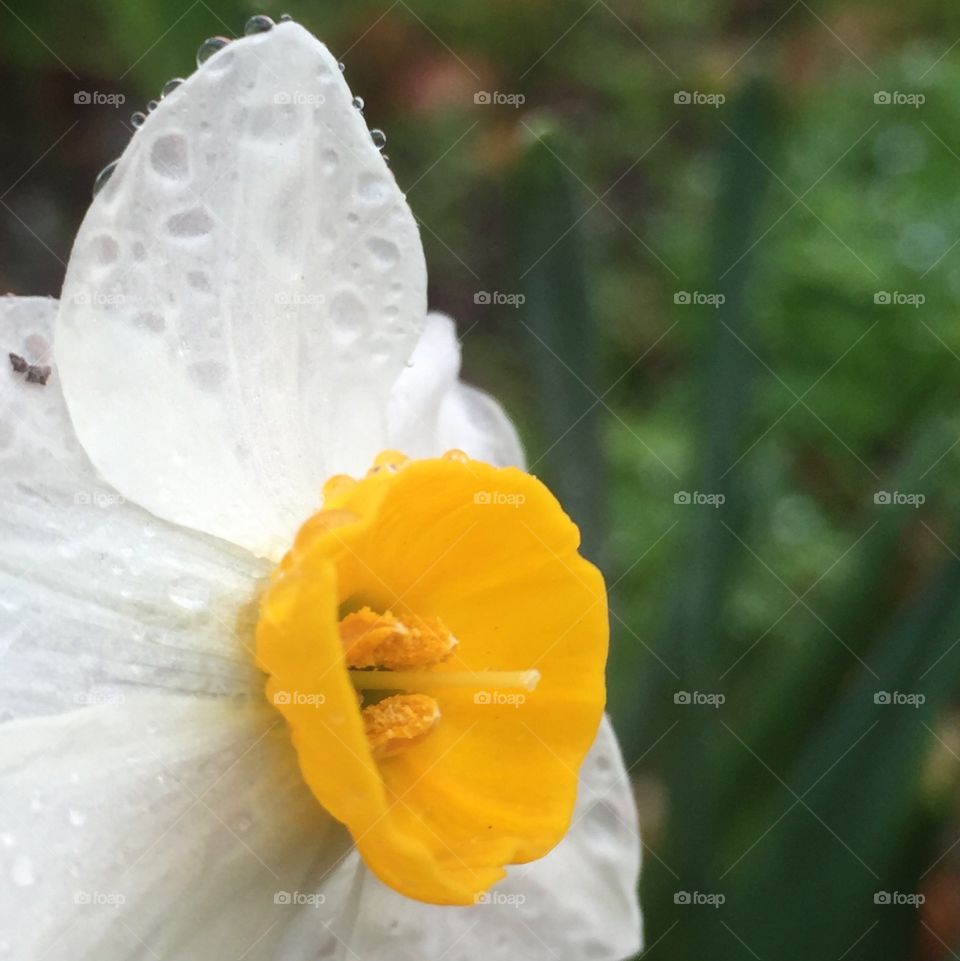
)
(399, 722)
(385, 640)
(434, 680)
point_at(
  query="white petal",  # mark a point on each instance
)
(241, 296)
(432, 411)
(166, 828)
(98, 598)
(580, 901)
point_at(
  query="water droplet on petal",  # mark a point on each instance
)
(190, 594)
(104, 176)
(285, 18)
(258, 24)
(358, 102)
(152, 105)
(379, 138)
(170, 86)
(76, 818)
(341, 65)
(137, 119)
(457, 455)
(209, 47)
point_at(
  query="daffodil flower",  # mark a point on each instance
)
(271, 689)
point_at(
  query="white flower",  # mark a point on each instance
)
(243, 316)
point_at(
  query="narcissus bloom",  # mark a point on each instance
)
(205, 501)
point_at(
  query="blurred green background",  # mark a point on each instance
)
(736, 228)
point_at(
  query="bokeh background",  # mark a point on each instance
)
(708, 256)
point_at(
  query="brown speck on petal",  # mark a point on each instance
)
(18, 363)
(37, 375)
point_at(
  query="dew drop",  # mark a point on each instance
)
(22, 872)
(170, 86)
(152, 105)
(379, 138)
(190, 594)
(137, 119)
(341, 66)
(258, 24)
(209, 47)
(285, 18)
(103, 177)
(358, 103)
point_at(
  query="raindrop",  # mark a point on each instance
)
(137, 119)
(358, 103)
(189, 594)
(209, 47)
(152, 105)
(104, 176)
(285, 18)
(379, 138)
(258, 24)
(170, 86)
(341, 65)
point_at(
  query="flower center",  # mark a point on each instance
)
(385, 652)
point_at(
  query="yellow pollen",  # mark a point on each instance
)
(397, 644)
(399, 722)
